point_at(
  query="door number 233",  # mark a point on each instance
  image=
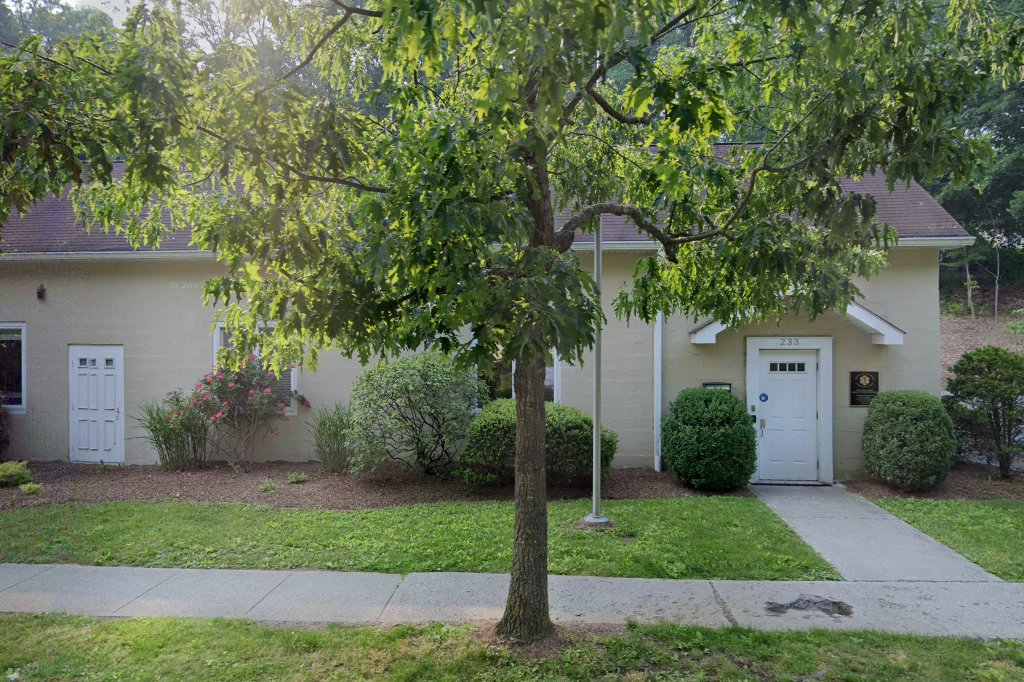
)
(789, 341)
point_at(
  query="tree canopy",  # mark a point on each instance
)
(395, 183)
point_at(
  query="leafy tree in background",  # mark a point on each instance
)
(397, 186)
(50, 20)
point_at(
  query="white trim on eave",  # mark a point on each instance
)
(634, 245)
(935, 242)
(883, 332)
(106, 256)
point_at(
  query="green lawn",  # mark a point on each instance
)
(988, 532)
(37, 647)
(692, 537)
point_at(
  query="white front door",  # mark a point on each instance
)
(96, 379)
(786, 416)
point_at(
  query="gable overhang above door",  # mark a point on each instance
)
(883, 332)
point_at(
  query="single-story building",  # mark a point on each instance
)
(90, 330)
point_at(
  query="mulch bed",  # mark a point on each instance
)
(389, 486)
(965, 482)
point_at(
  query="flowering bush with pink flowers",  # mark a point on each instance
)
(244, 406)
(227, 414)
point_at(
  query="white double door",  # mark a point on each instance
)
(96, 402)
(785, 411)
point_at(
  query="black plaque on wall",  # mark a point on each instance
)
(863, 388)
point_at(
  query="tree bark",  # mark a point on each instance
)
(526, 616)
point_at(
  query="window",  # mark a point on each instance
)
(13, 366)
(787, 367)
(500, 380)
(287, 381)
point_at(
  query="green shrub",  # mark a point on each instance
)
(489, 455)
(908, 439)
(14, 473)
(297, 478)
(330, 431)
(268, 486)
(5, 430)
(708, 441)
(177, 428)
(414, 410)
(30, 488)
(986, 403)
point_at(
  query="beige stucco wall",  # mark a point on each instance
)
(155, 310)
(906, 294)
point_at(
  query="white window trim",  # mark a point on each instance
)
(556, 389)
(293, 409)
(23, 328)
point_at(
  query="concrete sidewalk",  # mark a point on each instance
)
(862, 540)
(971, 609)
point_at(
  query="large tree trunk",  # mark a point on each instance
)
(526, 611)
(527, 616)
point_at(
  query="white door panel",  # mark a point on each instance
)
(96, 403)
(787, 415)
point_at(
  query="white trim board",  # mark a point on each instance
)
(823, 346)
(883, 332)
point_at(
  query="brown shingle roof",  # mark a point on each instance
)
(50, 226)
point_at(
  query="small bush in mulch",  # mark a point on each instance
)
(908, 439)
(14, 473)
(489, 455)
(708, 441)
(332, 437)
(297, 478)
(30, 488)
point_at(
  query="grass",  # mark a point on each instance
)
(694, 537)
(988, 532)
(46, 647)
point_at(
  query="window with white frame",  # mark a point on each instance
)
(286, 384)
(13, 366)
(499, 380)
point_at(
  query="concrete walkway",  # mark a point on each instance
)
(862, 540)
(971, 609)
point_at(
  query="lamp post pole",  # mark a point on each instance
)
(596, 518)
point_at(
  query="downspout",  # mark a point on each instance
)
(659, 323)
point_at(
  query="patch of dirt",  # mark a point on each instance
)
(961, 333)
(561, 638)
(389, 486)
(965, 482)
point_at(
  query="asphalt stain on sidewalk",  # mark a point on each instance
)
(810, 602)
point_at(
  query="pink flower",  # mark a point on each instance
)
(276, 434)
(270, 374)
(266, 390)
(231, 385)
(251, 391)
(252, 356)
(213, 419)
(221, 375)
(170, 393)
(305, 403)
(198, 386)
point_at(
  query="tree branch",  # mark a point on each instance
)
(349, 9)
(309, 177)
(616, 114)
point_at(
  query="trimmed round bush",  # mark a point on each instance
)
(489, 455)
(708, 441)
(908, 439)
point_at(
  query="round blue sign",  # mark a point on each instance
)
(763, 397)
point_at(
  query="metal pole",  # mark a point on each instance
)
(596, 517)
